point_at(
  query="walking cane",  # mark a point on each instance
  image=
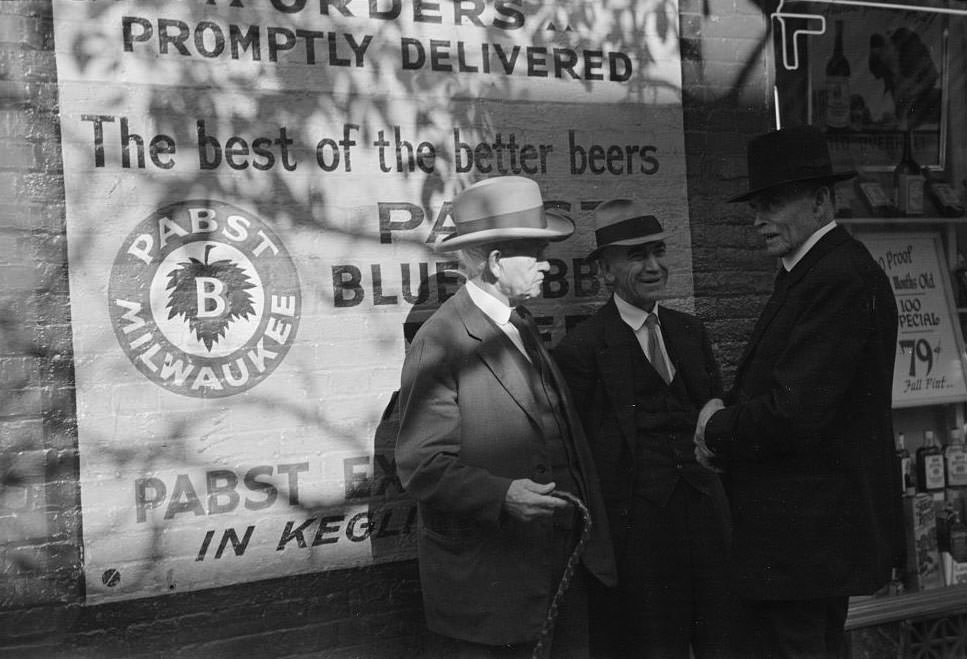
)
(547, 630)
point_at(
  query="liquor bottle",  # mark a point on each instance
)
(907, 179)
(945, 517)
(907, 486)
(958, 539)
(942, 194)
(960, 280)
(896, 587)
(876, 198)
(837, 86)
(930, 465)
(955, 460)
(845, 195)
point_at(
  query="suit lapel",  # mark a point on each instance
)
(773, 305)
(498, 353)
(684, 353)
(576, 447)
(621, 349)
(780, 293)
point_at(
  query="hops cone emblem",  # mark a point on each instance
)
(209, 295)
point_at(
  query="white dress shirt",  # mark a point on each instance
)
(635, 319)
(498, 312)
(790, 260)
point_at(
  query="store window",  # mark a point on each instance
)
(885, 82)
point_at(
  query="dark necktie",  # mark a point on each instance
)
(654, 349)
(527, 338)
(782, 277)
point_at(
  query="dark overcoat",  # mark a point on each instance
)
(807, 434)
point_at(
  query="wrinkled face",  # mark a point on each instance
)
(786, 216)
(518, 268)
(637, 273)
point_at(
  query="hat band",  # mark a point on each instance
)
(636, 227)
(770, 176)
(529, 218)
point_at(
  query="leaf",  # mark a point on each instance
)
(233, 292)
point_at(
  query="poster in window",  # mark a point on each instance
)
(870, 73)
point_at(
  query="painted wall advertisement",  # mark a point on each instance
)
(929, 366)
(254, 189)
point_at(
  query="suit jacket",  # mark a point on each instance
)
(807, 435)
(467, 430)
(600, 359)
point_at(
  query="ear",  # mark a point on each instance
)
(604, 268)
(493, 263)
(823, 196)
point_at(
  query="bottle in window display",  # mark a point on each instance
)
(896, 587)
(930, 465)
(958, 539)
(907, 485)
(907, 178)
(876, 198)
(837, 86)
(955, 460)
(844, 199)
(960, 280)
(945, 515)
(942, 194)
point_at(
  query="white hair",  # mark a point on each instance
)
(473, 258)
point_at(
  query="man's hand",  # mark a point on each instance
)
(527, 500)
(710, 408)
(703, 454)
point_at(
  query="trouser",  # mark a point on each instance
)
(673, 598)
(569, 639)
(796, 629)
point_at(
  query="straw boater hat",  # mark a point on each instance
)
(789, 155)
(624, 222)
(503, 208)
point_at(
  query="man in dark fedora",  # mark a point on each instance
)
(639, 373)
(806, 433)
(487, 439)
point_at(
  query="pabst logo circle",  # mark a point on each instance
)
(204, 299)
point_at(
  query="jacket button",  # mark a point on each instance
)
(679, 466)
(541, 469)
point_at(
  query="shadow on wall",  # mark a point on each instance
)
(39, 466)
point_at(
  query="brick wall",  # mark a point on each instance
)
(727, 94)
(372, 611)
(39, 515)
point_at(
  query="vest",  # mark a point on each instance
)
(555, 458)
(665, 418)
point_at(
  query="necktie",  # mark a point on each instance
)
(782, 278)
(527, 337)
(654, 349)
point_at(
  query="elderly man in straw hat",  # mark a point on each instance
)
(639, 373)
(806, 435)
(487, 439)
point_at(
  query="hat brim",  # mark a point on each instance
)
(627, 242)
(832, 178)
(558, 228)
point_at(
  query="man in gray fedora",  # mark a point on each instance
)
(806, 434)
(639, 373)
(487, 439)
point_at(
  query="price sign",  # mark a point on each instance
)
(929, 366)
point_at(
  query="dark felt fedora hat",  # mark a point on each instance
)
(789, 155)
(503, 208)
(624, 222)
